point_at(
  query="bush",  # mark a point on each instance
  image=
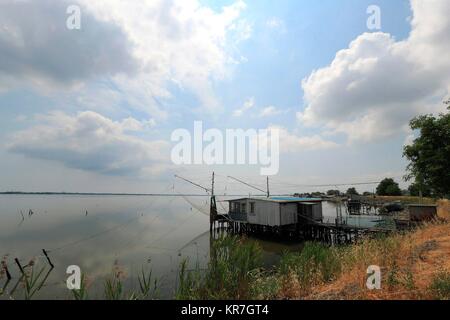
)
(440, 286)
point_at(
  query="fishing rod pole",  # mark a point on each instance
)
(193, 183)
(247, 184)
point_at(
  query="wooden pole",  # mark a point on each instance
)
(5, 267)
(213, 206)
(212, 186)
(19, 265)
(48, 258)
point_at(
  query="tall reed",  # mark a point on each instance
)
(314, 264)
(228, 275)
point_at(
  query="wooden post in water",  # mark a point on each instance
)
(48, 258)
(213, 207)
(5, 267)
(20, 266)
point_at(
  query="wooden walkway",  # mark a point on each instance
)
(305, 230)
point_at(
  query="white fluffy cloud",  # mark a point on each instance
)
(373, 88)
(91, 142)
(141, 47)
(294, 143)
(180, 41)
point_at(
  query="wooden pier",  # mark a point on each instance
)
(311, 231)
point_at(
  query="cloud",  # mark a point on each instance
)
(409, 140)
(374, 87)
(36, 47)
(293, 143)
(140, 48)
(131, 124)
(91, 142)
(178, 41)
(248, 104)
(269, 111)
(276, 24)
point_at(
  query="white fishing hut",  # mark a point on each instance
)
(275, 211)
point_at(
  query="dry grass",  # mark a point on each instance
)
(409, 264)
(407, 199)
(444, 209)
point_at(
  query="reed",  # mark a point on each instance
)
(113, 288)
(265, 285)
(232, 267)
(315, 264)
(148, 285)
(33, 280)
(82, 293)
(189, 284)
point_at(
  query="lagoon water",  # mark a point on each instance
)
(98, 233)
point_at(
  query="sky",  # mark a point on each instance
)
(93, 109)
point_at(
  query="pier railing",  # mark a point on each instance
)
(363, 222)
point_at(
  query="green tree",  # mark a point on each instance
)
(429, 154)
(388, 187)
(333, 192)
(352, 191)
(415, 189)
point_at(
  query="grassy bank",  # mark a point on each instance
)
(407, 199)
(414, 265)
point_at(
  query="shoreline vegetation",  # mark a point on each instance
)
(414, 264)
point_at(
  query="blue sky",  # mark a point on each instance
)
(96, 106)
(311, 34)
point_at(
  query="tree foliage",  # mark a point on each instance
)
(352, 191)
(416, 190)
(388, 187)
(333, 193)
(429, 154)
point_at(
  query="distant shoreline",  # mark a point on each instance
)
(122, 194)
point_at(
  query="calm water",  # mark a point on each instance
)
(97, 232)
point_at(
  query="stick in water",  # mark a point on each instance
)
(20, 266)
(48, 258)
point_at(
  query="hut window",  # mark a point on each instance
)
(243, 208)
(252, 207)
